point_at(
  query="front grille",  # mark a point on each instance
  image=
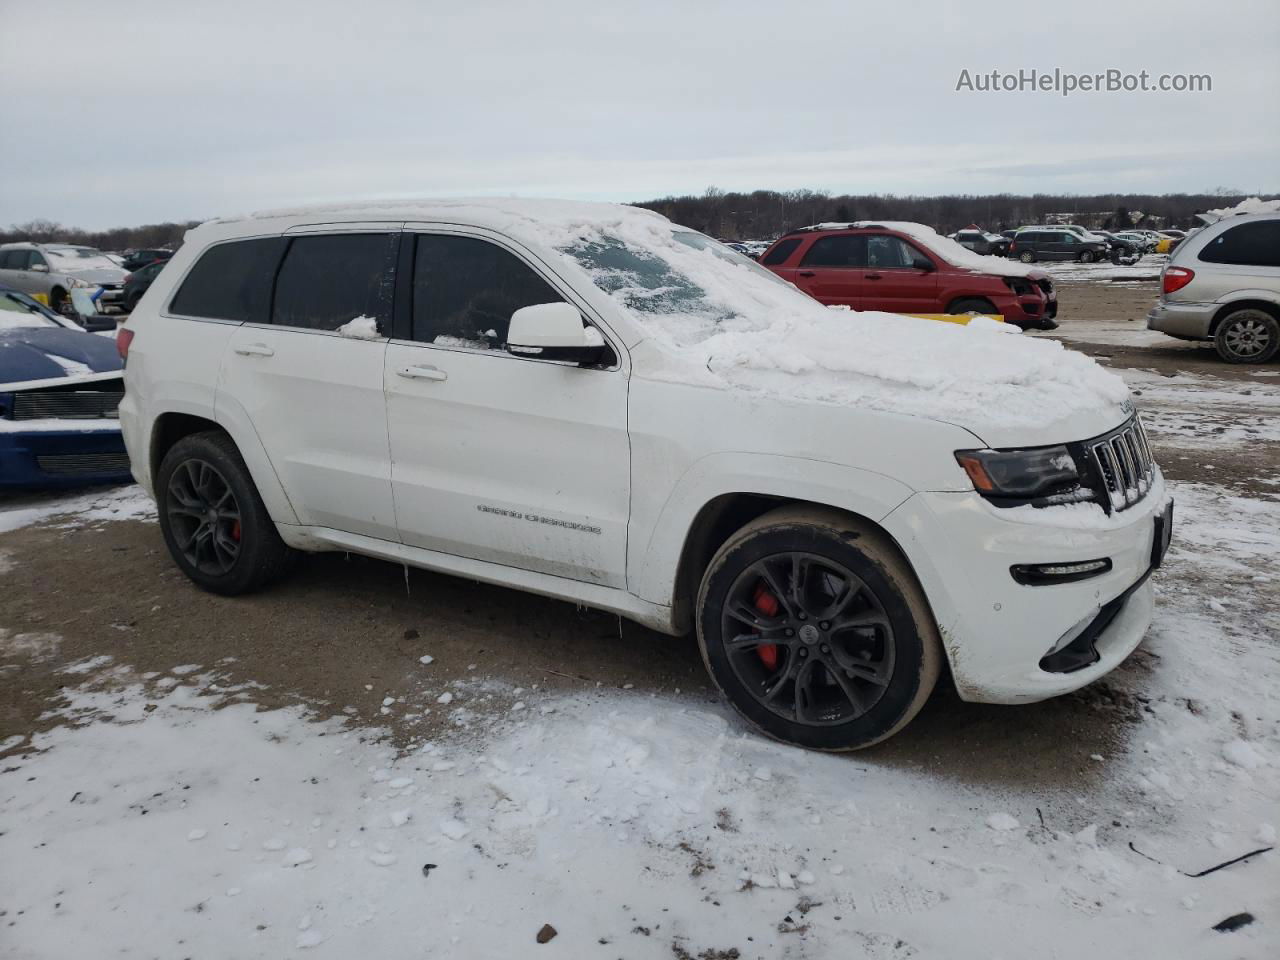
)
(58, 404)
(81, 464)
(1123, 463)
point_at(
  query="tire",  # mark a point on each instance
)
(60, 303)
(1247, 335)
(202, 477)
(786, 685)
(972, 305)
(1086, 256)
(1027, 256)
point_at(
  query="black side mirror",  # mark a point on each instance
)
(922, 263)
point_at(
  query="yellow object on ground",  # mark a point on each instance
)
(41, 298)
(1164, 245)
(960, 318)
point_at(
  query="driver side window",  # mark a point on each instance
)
(465, 291)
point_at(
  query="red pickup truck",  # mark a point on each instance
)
(909, 268)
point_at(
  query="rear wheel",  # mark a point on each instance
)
(214, 523)
(1248, 335)
(816, 631)
(60, 303)
(1027, 256)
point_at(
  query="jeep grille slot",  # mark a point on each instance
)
(1124, 463)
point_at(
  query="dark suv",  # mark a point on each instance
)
(908, 268)
(1049, 244)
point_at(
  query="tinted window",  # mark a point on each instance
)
(231, 281)
(1249, 244)
(11, 259)
(845, 251)
(889, 252)
(330, 280)
(781, 251)
(34, 258)
(465, 291)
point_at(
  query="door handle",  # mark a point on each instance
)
(255, 350)
(423, 372)
(805, 273)
(871, 276)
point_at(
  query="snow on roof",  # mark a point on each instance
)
(1249, 205)
(944, 247)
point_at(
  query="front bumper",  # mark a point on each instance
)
(996, 631)
(62, 457)
(1187, 321)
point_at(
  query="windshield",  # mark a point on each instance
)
(17, 311)
(680, 275)
(80, 258)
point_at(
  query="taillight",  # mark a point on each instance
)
(1013, 245)
(1175, 278)
(124, 337)
(128, 277)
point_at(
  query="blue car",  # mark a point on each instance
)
(60, 388)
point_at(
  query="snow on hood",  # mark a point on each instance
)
(45, 353)
(944, 247)
(723, 318)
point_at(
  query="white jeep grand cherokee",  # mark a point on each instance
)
(590, 402)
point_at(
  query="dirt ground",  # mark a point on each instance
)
(346, 632)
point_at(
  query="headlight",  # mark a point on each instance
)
(1019, 286)
(1019, 473)
(77, 282)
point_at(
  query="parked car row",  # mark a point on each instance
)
(80, 282)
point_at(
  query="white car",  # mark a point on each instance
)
(53, 270)
(590, 402)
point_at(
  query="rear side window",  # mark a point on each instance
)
(843, 251)
(327, 281)
(781, 252)
(465, 291)
(1248, 244)
(231, 281)
(13, 259)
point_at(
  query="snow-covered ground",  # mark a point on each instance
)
(166, 814)
(1147, 268)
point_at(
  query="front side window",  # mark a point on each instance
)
(232, 281)
(36, 259)
(888, 252)
(465, 291)
(1248, 244)
(849, 250)
(328, 281)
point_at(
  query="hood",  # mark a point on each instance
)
(45, 353)
(99, 274)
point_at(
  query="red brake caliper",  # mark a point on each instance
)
(767, 604)
(235, 530)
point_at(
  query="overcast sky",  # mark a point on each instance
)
(121, 113)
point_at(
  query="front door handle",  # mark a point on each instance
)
(871, 276)
(805, 273)
(255, 350)
(423, 372)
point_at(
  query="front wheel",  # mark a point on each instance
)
(816, 630)
(1027, 256)
(1086, 256)
(1249, 335)
(214, 522)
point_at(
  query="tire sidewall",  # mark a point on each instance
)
(898, 698)
(1229, 355)
(233, 470)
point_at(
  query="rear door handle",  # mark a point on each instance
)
(871, 276)
(255, 350)
(423, 372)
(805, 273)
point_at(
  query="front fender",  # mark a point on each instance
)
(652, 562)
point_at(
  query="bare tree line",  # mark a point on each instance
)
(764, 214)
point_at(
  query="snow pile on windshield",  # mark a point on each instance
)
(754, 332)
(944, 247)
(80, 258)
